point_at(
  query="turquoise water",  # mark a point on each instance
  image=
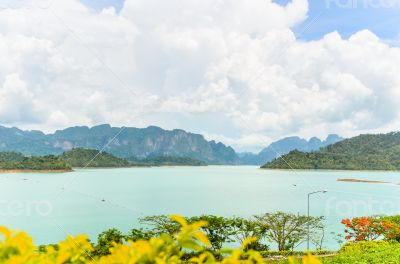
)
(50, 206)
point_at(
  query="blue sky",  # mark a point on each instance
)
(329, 16)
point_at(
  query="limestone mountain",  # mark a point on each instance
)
(129, 142)
(284, 146)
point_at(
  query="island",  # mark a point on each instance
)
(16, 162)
(364, 152)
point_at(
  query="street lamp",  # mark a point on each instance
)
(308, 214)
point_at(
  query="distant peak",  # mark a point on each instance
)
(333, 138)
(314, 139)
(154, 128)
(102, 126)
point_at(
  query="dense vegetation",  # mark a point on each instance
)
(199, 240)
(282, 230)
(364, 152)
(183, 242)
(375, 252)
(16, 161)
(166, 161)
(371, 240)
(92, 158)
(80, 158)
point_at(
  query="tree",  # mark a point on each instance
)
(106, 240)
(287, 230)
(161, 224)
(245, 228)
(369, 228)
(317, 236)
(218, 229)
(139, 234)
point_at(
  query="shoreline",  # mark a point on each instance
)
(334, 170)
(36, 171)
(134, 167)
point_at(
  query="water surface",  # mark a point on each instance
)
(49, 206)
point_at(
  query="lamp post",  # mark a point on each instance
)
(308, 215)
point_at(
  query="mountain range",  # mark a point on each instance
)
(284, 146)
(140, 143)
(125, 143)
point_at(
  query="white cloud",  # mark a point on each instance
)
(17, 103)
(172, 63)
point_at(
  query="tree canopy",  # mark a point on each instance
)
(364, 152)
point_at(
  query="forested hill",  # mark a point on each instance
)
(17, 161)
(80, 158)
(364, 152)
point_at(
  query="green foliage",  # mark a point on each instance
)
(244, 228)
(16, 161)
(363, 246)
(17, 247)
(392, 233)
(106, 240)
(288, 230)
(218, 229)
(80, 158)
(190, 244)
(160, 224)
(11, 157)
(139, 234)
(364, 152)
(381, 252)
(166, 161)
(86, 158)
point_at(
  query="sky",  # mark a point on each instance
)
(244, 72)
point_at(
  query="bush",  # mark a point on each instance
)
(381, 252)
(366, 246)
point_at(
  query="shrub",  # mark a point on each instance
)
(366, 246)
(381, 252)
(393, 227)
